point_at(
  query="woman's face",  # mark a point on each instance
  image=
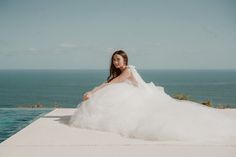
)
(118, 61)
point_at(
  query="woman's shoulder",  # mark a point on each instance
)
(130, 66)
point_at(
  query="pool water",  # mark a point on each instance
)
(13, 120)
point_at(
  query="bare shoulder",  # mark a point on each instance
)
(127, 71)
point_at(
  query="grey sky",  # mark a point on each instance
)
(74, 34)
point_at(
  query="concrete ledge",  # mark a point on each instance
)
(51, 136)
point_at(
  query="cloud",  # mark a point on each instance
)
(129, 50)
(68, 45)
(210, 31)
(156, 44)
(32, 50)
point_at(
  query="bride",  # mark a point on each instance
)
(127, 105)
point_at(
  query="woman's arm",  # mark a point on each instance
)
(89, 93)
(122, 77)
(99, 87)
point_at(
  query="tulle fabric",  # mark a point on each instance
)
(147, 112)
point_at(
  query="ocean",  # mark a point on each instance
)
(65, 88)
(13, 120)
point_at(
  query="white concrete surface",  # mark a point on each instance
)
(50, 136)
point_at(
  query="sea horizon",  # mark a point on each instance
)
(108, 69)
(65, 87)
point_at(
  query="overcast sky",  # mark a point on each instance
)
(75, 34)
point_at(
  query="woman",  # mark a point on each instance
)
(127, 105)
(118, 68)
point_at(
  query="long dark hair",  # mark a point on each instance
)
(114, 72)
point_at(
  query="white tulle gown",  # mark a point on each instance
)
(147, 112)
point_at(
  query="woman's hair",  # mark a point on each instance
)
(114, 72)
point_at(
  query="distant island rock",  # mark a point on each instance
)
(37, 105)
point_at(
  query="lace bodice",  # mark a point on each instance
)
(136, 79)
(132, 79)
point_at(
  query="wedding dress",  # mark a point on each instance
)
(146, 112)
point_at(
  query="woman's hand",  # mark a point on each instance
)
(87, 95)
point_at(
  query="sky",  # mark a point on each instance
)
(155, 34)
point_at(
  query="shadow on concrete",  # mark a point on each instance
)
(62, 119)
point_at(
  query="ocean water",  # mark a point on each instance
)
(13, 120)
(65, 88)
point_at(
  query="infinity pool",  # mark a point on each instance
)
(13, 120)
